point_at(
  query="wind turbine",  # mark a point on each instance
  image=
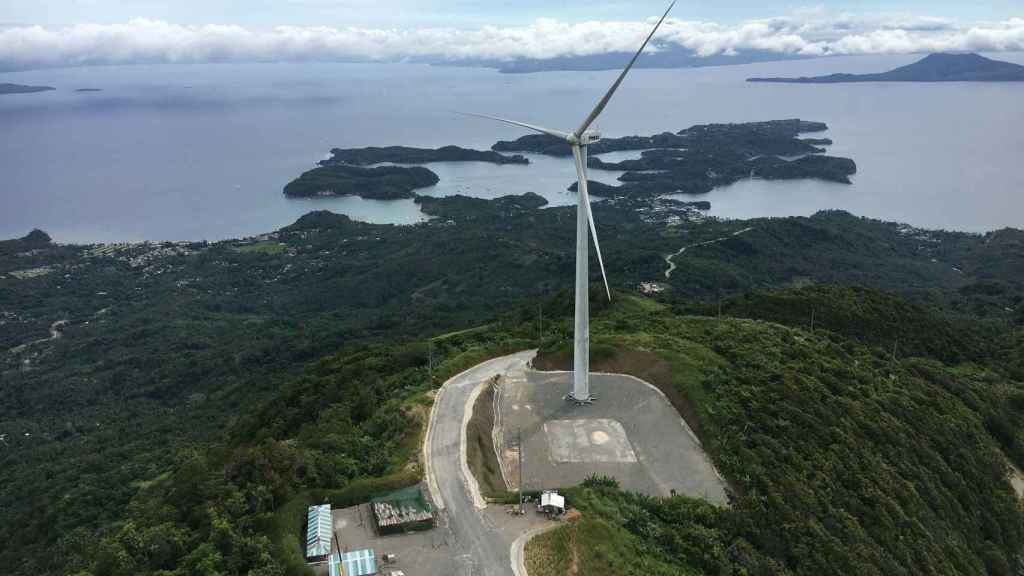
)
(578, 141)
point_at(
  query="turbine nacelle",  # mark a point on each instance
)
(589, 137)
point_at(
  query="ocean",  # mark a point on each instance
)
(192, 152)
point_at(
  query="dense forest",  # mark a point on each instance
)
(171, 407)
(841, 458)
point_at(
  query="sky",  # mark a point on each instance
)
(265, 14)
(35, 33)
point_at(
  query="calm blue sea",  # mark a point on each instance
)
(172, 152)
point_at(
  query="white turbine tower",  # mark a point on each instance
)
(578, 141)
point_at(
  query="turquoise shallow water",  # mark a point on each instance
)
(203, 151)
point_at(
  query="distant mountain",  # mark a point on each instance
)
(931, 68)
(670, 56)
(6, 88)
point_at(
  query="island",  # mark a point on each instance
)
(931, 68)
(702, 157)
(409, 155)
(352, 171)
(691, 161)
(8, 88)
(88, 90)
(468, 209)
(778, 137)
(378, 183)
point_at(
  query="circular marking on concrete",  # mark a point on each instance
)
(598, 437)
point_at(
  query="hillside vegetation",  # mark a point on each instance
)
(841, 460)
(171, 407)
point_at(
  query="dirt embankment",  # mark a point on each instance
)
(483, 462)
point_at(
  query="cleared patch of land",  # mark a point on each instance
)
(268, 247)
(630, 433)
(1017, 480)
(31, 272)
(642, 364)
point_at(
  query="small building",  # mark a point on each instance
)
(334, 565)
(551, 502)
(357, 563)
(318, 533)
(404, 510)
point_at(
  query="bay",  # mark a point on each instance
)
(175, 152)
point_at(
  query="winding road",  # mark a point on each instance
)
(670, 257)
(55, 333)
(479, 545)
(487, 540)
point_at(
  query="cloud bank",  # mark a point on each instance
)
(806, 32)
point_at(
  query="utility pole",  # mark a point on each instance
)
(430, 359)
(812, 320)
(540, 324)
(521, 511)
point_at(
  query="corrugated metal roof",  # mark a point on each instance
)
(358, 563)
(318, 531)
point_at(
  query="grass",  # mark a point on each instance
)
(614, 533)
(407, 458)
(483, 461)
(592, 546)
(552, 553)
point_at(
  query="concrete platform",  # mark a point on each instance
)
(588, 440)
(630, 432)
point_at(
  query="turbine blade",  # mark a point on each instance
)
(597, 247)
(541, 129)
(608, 96)
(581, 174)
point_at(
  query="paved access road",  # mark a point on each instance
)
(481, 548)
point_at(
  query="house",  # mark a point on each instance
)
(358, 563)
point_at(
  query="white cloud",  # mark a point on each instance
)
(806, 32)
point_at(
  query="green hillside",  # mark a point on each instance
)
(169, 407)
(841, 461)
